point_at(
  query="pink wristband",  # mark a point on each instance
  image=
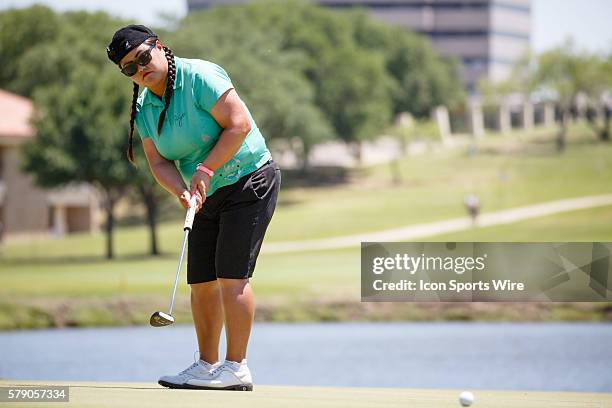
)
(205, 169)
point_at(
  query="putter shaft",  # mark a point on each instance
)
(178, 272)
(160, 318)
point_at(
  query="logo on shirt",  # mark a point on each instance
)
(178, 119)
(231, 170)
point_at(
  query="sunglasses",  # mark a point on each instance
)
(131, 68)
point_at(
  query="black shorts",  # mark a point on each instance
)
(229, 229)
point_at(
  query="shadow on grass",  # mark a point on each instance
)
(519, 150)
(538, 146)
(581, 140)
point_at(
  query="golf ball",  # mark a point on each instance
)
(466, 398)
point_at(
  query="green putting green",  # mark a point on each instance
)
(99, 394)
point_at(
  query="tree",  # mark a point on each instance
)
(422, 79)
(20, 30)
(82, 39)
(354, 92)
(562, 74)
(569, 72)
(600, 97)
(520, 81)
(83, 111)
(342, 48)
(352, 88)
(149, 192)
(281, 100)
(78, 140)
(359, 72)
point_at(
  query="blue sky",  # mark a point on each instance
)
(589, 22)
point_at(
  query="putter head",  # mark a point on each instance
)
(159, 319)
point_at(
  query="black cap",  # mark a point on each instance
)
(126, 39)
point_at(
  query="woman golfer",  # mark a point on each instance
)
(200, 139)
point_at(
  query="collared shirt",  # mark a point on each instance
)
(190, 132)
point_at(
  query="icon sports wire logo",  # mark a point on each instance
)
(486, 271)
(414, 264)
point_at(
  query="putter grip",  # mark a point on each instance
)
(190, 214)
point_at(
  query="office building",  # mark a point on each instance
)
(486, 36)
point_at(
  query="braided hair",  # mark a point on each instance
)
(169, 87)
(130, 152)
(169, 92)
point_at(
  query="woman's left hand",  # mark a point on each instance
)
(199, 184)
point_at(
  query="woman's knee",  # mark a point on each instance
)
(205, 290)
(232, 288)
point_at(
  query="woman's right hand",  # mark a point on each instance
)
(185, 196)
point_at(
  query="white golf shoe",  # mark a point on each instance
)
(228, 376)
(188, 378)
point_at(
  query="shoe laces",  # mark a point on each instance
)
(196, 362)
(191, 367)
(217, 370)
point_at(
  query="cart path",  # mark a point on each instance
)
(419, 231)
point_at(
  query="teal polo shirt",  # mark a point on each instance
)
(190, 132)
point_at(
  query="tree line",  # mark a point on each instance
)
(307, 73)
(576, 81)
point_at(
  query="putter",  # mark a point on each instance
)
(159, 319)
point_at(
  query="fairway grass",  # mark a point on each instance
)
(502, 175)
(65, 282)
(289, 287)
(99, 394)
(591, 225)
